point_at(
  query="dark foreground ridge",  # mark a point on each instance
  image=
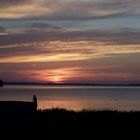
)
(55, 124)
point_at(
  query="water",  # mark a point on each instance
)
(76, 97)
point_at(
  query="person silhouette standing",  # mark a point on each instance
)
(35, 102)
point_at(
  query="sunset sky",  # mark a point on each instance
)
(70, 41)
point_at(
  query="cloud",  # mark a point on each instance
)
(123, 36)
(2, 29)
(68, 10)
(7, 3)
(17, 76)
(76, 10)
(83, 10)
(41, 27)
(24, 49)
(55, 51)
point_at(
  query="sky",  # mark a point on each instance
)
(70, 41)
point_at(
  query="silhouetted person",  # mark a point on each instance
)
(35, 102)
(1, 83)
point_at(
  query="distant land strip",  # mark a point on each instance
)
(68, 84)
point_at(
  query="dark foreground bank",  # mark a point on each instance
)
(61, 124)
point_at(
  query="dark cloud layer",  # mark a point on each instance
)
(125, 36)
(41, 27)
(20, 50)
(45, 44)
(7, 3)
(2, 29)
(71, 10)
(84, 10)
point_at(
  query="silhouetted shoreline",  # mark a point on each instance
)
(69, 84)
(62, 124)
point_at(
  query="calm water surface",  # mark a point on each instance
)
(76, 97)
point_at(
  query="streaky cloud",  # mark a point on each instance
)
(68, 10)
(123, 36)
(8, 3)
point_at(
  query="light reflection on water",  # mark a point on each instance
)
(76, 97)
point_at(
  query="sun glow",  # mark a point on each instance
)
(56, 75)
(57, 79)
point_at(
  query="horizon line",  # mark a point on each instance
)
(95, 84)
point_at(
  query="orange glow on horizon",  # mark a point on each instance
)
(56, 75)
(57, 79)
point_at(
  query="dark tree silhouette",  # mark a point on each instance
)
(1, 83)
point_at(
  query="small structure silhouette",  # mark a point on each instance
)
(19, 106)
(35, 102)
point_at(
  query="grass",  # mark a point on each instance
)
(62, 124)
